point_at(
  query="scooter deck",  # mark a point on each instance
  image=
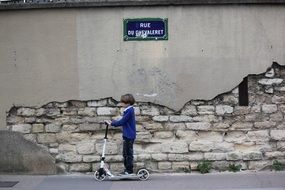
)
(123, 177)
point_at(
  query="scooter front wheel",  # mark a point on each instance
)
(100, 175)
(143, 174)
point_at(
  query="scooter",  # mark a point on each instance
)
(104, 173)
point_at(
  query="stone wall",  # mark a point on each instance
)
(218, 130)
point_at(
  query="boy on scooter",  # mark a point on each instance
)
(128, 124)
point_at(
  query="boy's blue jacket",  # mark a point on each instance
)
(128, 122)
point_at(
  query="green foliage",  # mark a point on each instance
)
(204, 166)
(277, 166)
(234, 168)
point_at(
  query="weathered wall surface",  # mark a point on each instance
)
(63, 54)
(218, 130)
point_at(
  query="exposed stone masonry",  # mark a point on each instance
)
(218, 130)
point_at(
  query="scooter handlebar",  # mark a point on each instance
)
(107, 123)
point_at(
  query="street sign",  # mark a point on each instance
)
(145, 29)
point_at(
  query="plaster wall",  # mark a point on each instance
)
(64, 54)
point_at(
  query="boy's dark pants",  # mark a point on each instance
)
(128, 154)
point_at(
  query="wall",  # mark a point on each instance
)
(63, 54)
(218, 130)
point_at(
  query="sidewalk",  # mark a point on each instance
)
(214, 181)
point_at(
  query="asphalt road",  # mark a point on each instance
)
(229, 181)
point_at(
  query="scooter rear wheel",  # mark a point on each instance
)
(143, 174)
(100, 175)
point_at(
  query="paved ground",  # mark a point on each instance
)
(215, 181)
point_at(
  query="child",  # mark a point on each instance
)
(128, 124)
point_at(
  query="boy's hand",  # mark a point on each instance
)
(107, 122)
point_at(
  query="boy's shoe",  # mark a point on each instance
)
(126, 173)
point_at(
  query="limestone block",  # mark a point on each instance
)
(164, 165)
(53, 128)
(195, 156)
(22, 128)
(86, 147)
(235, 137)
(153, 126)
(160, 118)
(174, 126)
(67, 148)
(87, 111)
(230, 99)
(224, 109)
(241, 126)
(267, 81)
(186, 135)
(206, 110)
(220, 126)
(270, 73)
(198, 126)
(220, 165)
(31, 137)
(163, 134)
(38, 128)
(26, 112)
(281, 88)
(234, 155)
(206, 118)
(258, 165)
(242, 110)
(210, 136)
(91, 158)
(193, 166)
(177, 157)
(269, 108)
(281, 146)
(71, 128)
(30, 120)
(75, 137)
(143, 157)
(89, 127)
(258, 136)
(181, 166)
(174, 147)
(63, 137)
(278, 135)
(107, 111)
(264, 124)
(53, 150)
(274, 155)
(215, 156)
(40, 112)
(252, 155)
(52, 112)
(144, 136)
(159, 157)
(80, 167)
(116, 158)
(77, 103)
(69, 157)
(180, 118)
(111, 148)
(201, 146)
(46, 138)
(189, 110)
(149, 110)
(278, 99)
(97, 103)
(256, 109)
(223, 147)
(276, 117)
(116, 167)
